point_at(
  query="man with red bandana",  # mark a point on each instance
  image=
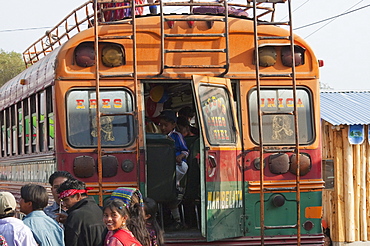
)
(84, 225)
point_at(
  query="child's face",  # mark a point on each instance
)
(113, 219)
(165, 126)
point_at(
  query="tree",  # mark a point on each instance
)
(11, 64)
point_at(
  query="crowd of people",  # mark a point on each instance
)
(75, 219)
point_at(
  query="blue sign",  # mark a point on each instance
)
(356, 134)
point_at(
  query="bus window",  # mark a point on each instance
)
(217, 114)
(116, 130)
(14, 129)
(42, 119)
(3, 138)
(20, 129)
(278, 128)
(50, 118)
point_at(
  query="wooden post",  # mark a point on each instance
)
(368, 190)
(337, 227)
(363, 217)
(348, 187)
(356, 188)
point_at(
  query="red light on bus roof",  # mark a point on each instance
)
(321, 63)
(85, 55)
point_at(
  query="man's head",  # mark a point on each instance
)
(71, 192)
(167, 121)
(33, 197)
(55, 180)
(7, 204)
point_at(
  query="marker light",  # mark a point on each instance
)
(113, 55)
(286, 55)
(267, 56)
(85, 55)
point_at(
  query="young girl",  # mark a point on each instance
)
(116, 217)
(156, 234)
(134, 202)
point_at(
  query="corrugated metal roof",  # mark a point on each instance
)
(345, 107)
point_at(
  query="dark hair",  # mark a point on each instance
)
(186, 112)
(118, 206)
(168, 116)
(36, 194)
(137, 222)
(58, 174)
(151, 208)
(72, 184)
(183, 121)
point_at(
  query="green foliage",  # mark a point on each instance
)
(11, 64)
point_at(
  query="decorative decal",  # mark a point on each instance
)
(225, 199)
(106, 128)
(356, 134)
(281, 127)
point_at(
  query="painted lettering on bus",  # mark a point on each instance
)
(225, 199)
(105, 103)
(280, 102)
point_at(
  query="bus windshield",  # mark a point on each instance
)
(278, 125)
(116, 129)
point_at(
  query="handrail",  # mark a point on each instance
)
(82, 18)
(70, 25)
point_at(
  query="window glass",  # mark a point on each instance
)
(217, 114)
(278, 127)
(116, 130)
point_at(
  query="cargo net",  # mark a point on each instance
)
(115, 10)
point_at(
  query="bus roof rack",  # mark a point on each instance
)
(82, 18)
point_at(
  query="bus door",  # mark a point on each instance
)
(221, 176)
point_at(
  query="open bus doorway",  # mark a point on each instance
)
(213, 199)
(178, 97)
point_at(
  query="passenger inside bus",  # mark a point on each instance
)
(178, 98)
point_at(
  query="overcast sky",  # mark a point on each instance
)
(343, 43)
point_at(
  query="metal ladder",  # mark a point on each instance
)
(99, 15)
(262, 148)
(165, 64)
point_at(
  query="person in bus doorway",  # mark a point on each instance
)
(56, 211)
(12, 229)
(167, 124)
(84, 225)
(46, 231)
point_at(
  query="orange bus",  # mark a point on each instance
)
(89, 101)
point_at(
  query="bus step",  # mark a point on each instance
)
(280, 189)
(116, 37)
(195, 66)
(273, 37)
(283, 23)
(281, 227)
(195, 50)
(285, 75)
(102, 76)
(196, 35)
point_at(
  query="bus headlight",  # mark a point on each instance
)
(304, 164)
(113, 55)
(279, 163)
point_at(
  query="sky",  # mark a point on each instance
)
(343, 43)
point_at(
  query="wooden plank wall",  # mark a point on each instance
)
(346, 207)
